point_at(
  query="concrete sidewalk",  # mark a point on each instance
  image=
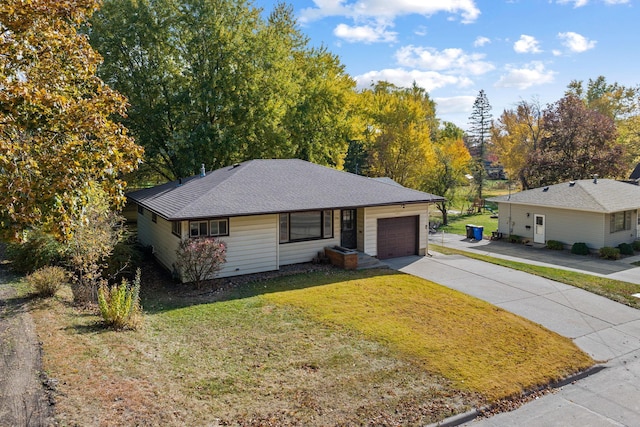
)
(608, 331)
(622, 269)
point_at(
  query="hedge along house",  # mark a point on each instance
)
(598, 212)
(272, 213)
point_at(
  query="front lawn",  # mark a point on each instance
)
(323, 348)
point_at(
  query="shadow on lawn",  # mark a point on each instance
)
(159, 292)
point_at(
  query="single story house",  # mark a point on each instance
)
(598, 212)
(272, 213)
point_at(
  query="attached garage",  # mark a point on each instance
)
(397, 237)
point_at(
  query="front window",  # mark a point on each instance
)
(300, 226)
(176, 228)
(219, 227)
(284, 228)
(214, 228)
(198, 229)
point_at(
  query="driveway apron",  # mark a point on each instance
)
(606, 330)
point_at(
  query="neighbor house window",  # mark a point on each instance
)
(140, 210)
(219, 227)
(620, 221)
(154, 217)
(198, 228)
(298, 226)
(176, 228)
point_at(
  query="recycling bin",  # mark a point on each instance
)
(477, 232)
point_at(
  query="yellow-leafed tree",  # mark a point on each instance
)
(399, 127)
(57, 127)
(447, 167)
(515, 135)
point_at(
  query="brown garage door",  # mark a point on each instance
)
(397, 237)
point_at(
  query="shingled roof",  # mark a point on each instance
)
(271, 186)
(597, 195)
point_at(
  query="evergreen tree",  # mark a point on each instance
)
(479, 136)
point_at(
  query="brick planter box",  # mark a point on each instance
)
(342, 257)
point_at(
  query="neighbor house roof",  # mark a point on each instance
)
(271, 186)
(592, 195)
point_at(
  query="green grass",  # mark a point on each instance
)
(457, 224)
(239, 360)
(323, 348)
(476, 345)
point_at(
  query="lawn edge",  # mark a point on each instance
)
(474, 413)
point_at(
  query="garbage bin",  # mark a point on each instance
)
(470, 231)
(477, 232)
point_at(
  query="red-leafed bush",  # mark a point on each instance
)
(200, 259)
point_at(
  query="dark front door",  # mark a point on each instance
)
(348, 237)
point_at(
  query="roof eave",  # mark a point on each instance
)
(254, 213)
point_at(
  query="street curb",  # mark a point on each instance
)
(456, 420)
(470, 415)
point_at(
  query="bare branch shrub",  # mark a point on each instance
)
(200, 259)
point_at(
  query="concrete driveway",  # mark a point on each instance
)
(608, 331)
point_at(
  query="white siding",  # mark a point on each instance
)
(370, 222)
(158, 236)
(299, 252)
(564, 225)
(251, 245)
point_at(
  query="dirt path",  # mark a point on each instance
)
(23, 400)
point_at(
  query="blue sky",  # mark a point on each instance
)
(514, 50)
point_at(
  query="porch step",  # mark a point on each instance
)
(365, 261)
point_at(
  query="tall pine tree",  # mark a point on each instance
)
(479, 136)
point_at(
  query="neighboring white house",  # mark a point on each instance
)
(272, 213)
(598, 212)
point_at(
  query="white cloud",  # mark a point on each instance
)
(532, 74)
(421, 31)
(576, 3)
(364, 33)
(454, 104)
(426, 58)
(580, 3)
(358, 9)
(428, 80)
(481, 41)
(576, 42)
(527, 44)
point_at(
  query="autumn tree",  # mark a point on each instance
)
(447, 166)
(56, 126)
(575, 143)
(613, 100)
(515, 136)
(479, 137)
(620, 103)
(398, 132)
(96, 231)
(212, 81)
